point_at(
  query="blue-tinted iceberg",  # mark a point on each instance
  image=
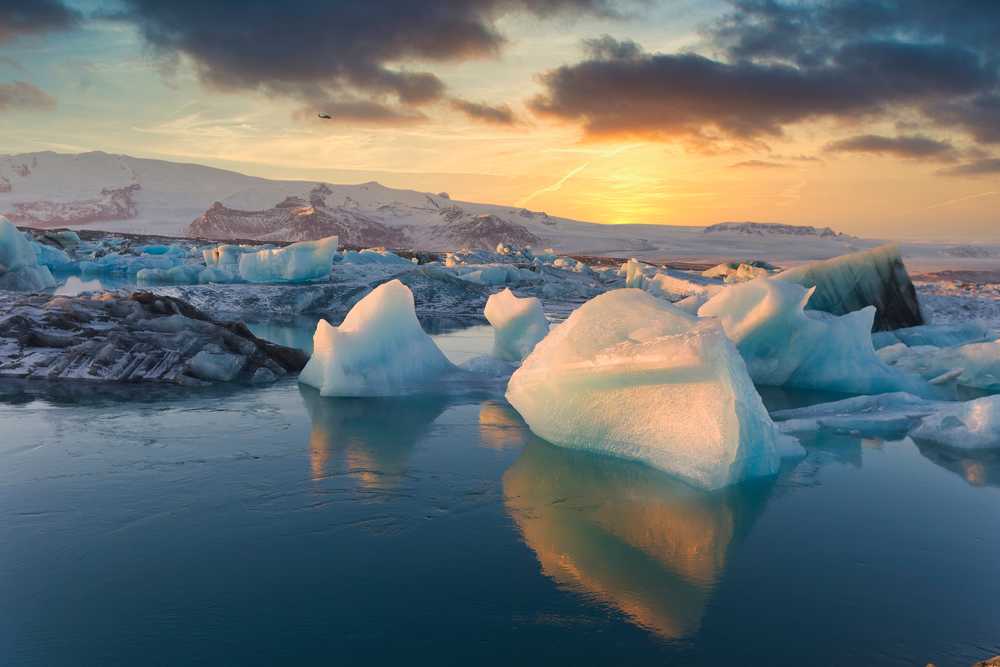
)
(379, 350)
(518, 324)
(299, 262)
(938, 335)
(975, 365)
(19, 268)
(875, 277)
(631, 376)
(785, 345)
(971, 424)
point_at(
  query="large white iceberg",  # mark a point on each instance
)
(19, 268)
(379, 350)
(299, 262)
(518, 324)
(785, 345)
(630, 375)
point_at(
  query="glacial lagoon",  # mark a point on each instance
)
(262, 526)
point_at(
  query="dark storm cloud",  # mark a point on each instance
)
(914, 146)
(675, 95)
(984, 167)
(21, 95)
(26, 17)
(498, 115)
(318, 49)
(777, 63)
(979, 115)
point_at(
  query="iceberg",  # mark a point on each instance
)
(738, 272)
(518, 324)
(976, 365)
(785, 345)
(299, 262)
(631, 376)
(19, 268)
(875, 277)
(372, 256)
(938, 335)
(379, 350)
(971, 424)
(226, 256)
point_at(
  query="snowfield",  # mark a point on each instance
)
(126, 194)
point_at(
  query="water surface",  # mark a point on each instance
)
(274, 526)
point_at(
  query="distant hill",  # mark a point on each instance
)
(772, 228)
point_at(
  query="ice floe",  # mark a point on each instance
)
(631, 376)
(379, 350)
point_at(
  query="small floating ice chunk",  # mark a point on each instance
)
(299, 262)
(630, 375)
(379, 350)
(975, 365)
(971, 424)
(518, 324)
(967, 425)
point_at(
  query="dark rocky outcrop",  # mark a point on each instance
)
(138, 337)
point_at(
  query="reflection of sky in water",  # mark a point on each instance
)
(273, 526)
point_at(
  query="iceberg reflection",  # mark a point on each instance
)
(369, 438)
(628, 536)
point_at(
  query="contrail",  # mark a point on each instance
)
(573, 172)
(555, 186)
(965, 198)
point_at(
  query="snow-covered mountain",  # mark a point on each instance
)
(127, 194)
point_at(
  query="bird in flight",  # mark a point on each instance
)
(324, 116)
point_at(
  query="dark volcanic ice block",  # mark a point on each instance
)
(875, 277)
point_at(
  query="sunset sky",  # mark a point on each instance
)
(876, 118)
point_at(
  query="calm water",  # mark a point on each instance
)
(272, 526)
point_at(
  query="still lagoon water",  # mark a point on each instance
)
(249, 526)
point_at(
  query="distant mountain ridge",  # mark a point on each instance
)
(766, 228)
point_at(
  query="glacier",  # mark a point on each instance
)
(629, 375)
(784, 344)
(379, 350)
(19, 267)
(518, 324)
(298, 262)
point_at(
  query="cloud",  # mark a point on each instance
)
(320, 50)
(979, 115)
(625, 91)
(21, 95)
(28, 17)
(758, 164)
(498, 115)
(984, 167)
(766, 65)
(913, 146)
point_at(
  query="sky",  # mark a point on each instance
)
(874, 117)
